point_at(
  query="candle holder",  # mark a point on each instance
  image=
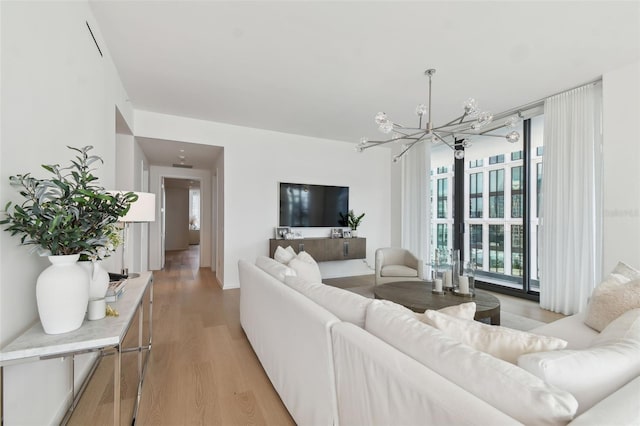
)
(437, 277)
(466, 281)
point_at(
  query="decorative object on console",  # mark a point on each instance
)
(336, 233)
(142, 210)
(470, 123)
(65, 216)
(347, 233)
(353, 221)
(281, 231)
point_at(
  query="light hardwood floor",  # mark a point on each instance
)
(202, 369)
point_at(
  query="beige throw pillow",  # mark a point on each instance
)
(306, 267)
(616, 294)
(501, 342)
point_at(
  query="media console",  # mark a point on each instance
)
(323, 249)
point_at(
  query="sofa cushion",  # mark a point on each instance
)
(284, 255)
(593, 373)
(274, 268)
(306, 267)
(616, 294)
(398, 271)
(505, 386)
(346, 305)
(465, 311)
(501, 342)
(572, 329)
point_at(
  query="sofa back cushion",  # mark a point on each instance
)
(505, 386)
(346, 305)
(501, 342)
(274, 268)
(593, 373)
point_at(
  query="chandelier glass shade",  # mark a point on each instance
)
(455, 134)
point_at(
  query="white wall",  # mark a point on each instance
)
(177, 218)
(56, 91)
(156, 173)
(255, 161)
(621, 106)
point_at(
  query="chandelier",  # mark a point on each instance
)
(455, 134)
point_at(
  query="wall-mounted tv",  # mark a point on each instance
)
(305, 205)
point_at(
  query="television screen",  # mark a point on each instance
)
(313, 205)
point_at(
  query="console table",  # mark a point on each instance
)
(103, 336)
(323, 249)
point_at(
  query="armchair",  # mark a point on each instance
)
(397, 264)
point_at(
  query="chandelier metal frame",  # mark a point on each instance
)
(454, 133)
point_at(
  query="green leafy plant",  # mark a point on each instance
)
(352, 220)
(68, 213)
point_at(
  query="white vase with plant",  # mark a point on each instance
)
(353, 221)
(66, 216)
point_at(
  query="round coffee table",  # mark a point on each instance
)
(417, 296)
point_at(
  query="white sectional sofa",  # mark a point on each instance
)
(335, 357)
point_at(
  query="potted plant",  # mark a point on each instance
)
(65, 216)
(353, 221)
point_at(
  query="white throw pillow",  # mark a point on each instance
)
(274, 268)
(284, 255)
(593, 373)
(616, 294)
(501, 342)
(346, 305)
(466, 311)
(305, 270)
(505, 386)
(306, 257)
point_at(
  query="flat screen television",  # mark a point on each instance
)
(305, 205)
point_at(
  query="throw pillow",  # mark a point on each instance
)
(504, 386)
(466, 311)
(306, 257)
(305, 270)
(346, 305)
(501, 342)
(613, 297)
(274, 268)
(284, 255)
(593, 373)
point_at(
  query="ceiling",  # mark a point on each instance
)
(324, 69)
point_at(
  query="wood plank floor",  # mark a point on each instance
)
(202, 369)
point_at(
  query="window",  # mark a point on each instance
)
(475, 195)
(538, 187)
(442, 198)
(496, 248)
(516, 191)
(442, 170)
(496, 159)
(475, 242)
(539, 151)
(516, 250)
(476, 163)
(496, 193)
(516, 155)
(443, 239)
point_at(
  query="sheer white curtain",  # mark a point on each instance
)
(571, 230)
(415, 201)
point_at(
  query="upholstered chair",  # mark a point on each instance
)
(397, 264)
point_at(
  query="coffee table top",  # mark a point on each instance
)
(417, 296)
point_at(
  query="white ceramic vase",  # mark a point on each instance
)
(98, 278)
(62, 294)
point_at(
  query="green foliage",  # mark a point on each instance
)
(351, 219)
(69, 213)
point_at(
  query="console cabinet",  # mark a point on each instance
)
(323, 249)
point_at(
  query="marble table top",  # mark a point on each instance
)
(92, 335)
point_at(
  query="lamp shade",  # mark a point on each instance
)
(142, 210)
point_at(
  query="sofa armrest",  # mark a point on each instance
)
(620, 408)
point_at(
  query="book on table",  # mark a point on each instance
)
(115, 290)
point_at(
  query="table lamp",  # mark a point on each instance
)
(141, 211)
